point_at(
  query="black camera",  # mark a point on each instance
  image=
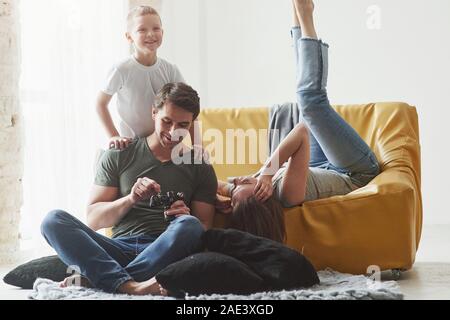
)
(166, 200)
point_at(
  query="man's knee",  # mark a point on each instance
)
(52, 221)
(191, 225)
(190, 230)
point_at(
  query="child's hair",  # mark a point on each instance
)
(261, 219)
(140, 11)
(181, 95)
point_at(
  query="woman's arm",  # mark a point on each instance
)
(295, 149)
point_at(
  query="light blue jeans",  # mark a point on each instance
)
(108, 263)
(340, 159)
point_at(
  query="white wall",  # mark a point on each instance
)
(238, 53)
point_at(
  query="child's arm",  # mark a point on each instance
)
(197, 142)
(196, 136)
(115, 141)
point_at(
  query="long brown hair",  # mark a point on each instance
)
(261, 219)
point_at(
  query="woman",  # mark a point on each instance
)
(321, 157)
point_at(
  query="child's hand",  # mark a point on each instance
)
(119, 142)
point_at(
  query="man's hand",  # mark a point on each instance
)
(119, 142)
(143, 189)
(223, 204)
(178, 209)
(263, 189)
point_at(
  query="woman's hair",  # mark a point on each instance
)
(140, 11)
(261, 219)
(181, 95)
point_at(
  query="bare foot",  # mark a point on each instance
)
(151, 287)
(75, 281)
(304, 7)
(163, 291)
(304, 16)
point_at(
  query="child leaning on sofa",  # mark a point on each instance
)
(136, 81)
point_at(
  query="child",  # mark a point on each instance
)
(136, 80)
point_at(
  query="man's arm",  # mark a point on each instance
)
(105, 210)
(204, 212)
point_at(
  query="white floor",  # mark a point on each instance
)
(429, 278)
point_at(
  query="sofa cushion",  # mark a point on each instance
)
(26, 274)
(209, 273)
(279, 266)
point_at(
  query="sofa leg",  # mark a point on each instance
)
(396, 274)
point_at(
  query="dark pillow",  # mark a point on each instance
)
(48, 267)
(279, 266)
(209, 273)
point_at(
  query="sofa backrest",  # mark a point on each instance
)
(390, 129)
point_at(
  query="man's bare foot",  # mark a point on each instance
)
(151, 287)
(163, 292)
(75, 281)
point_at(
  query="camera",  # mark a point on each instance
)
(166, 200)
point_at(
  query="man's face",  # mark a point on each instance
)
(146, 33)
(172, 124)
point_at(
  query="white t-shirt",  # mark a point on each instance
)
(136, 86)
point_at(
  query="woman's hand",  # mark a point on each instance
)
(223, 204)
(245, 180)
(263, 189)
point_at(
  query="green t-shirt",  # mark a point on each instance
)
(122, 169)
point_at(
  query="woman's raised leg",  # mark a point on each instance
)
(343, 147)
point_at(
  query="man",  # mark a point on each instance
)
(143, 242)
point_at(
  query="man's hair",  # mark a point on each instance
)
(140, 11)
(181, 95)
(261, 219)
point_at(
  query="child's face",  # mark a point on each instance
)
(145, 33)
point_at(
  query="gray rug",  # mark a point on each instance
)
(333, 286)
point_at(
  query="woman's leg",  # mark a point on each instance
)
(341, 144)
(317, 157)
(100, 259)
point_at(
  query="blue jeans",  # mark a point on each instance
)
(108, 263)
(334, 144)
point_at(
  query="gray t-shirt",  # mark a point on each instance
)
(122, 168)
(136, 87)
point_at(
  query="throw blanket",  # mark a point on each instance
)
(283, 118)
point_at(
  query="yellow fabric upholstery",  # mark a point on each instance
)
(379, 224)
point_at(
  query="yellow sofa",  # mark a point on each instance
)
(378, 225)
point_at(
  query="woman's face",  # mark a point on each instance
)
(244, 190)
